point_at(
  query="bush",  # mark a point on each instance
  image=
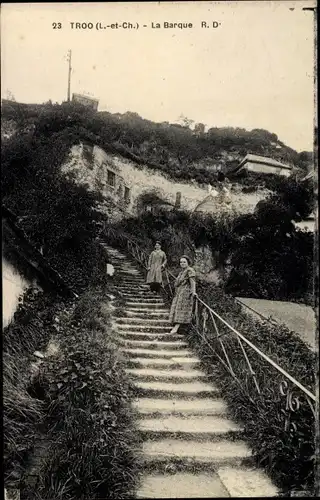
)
(58, 216)
(170, 228)
(90, 422)
(173, 149)
(262, 248)
(30, 330)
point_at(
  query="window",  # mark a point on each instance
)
(111, 178)
(127, 194)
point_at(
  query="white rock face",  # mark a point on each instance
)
(124, 181)
(13, 287)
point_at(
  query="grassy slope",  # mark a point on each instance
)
(286, 454)
(89, 420)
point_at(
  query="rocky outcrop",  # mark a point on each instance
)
(124, 181)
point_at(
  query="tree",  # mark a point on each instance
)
(186, 122)
(57, 215)
(305, 160)
(199, 129)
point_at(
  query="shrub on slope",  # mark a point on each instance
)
(93, 453)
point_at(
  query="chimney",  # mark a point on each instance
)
(178, 200)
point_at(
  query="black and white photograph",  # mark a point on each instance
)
(159, 250)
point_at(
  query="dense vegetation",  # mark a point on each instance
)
(88, 419)
(258, 251)
(174, 149)
(60, 218)
(89, 405)
(31, 330)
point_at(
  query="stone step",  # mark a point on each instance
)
(143, 328)
(146, 303)
(137, 278)
(151, 344)
(182, 485)
(138, 294)
(170, 389)
(117, 257)
(122, 263)
(128, 268)
(207, 453)
(161, 316)
(144, 314)
(248, 482)
(123, 320)
(156, 353)
(178, 362)
(190, 426)
(128, 283)
(117, 262)
(124, 268)
(133, 287)
(146, 306)
(127, 272)
(124, 286)
(172, 375)
(201, 406)
(150, 336)
(146, 299)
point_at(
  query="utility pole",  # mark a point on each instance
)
(69, 75)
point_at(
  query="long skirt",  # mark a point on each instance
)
(155, 274)
(182, 306)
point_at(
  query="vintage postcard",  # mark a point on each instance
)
(159, 178)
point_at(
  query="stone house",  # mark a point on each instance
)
(87, 101)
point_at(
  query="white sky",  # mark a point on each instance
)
(254, 71)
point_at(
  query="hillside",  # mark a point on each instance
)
(179, 151)
(92, 172)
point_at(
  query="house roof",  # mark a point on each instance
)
(263, 160)
(89, 98)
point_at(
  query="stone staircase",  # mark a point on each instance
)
(191, 448)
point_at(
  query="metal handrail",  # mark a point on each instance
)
(239, 335)
(258, 351)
